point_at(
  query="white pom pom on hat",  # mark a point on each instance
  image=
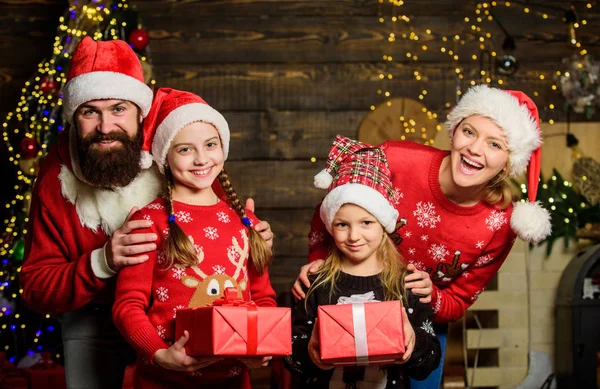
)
(323, 179)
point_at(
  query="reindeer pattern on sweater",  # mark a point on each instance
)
(224, 260)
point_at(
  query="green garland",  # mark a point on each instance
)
(569, 210)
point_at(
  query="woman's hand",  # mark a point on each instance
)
(256, 362)
(409, 338)
(303, 278)
(419, 283)
(314, 346)
(175, 358)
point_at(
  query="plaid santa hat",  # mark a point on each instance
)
(171, 111)
(357, 173)
(517, 115)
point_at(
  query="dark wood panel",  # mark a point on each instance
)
(290, 226)
(272, 8)
(299, 87)
(181, 39)
(288, 134)
(342, 39)
(252, 87)
(278, 8)
(283, 272)
(276, 184)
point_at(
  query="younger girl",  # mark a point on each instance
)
(363, 265)
(204, 246)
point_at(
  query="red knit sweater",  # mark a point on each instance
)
(460, 247)
(69, 223)
(148, 295)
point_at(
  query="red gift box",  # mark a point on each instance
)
(361, 333)
(233, 327)
(46, 374)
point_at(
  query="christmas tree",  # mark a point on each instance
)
(29, 131)
(570, 210)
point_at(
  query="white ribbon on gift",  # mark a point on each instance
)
(360, 333)
(357, 298)
(359, 324)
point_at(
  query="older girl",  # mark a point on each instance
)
(205, 245)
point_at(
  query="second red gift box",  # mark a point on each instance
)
(361, 333)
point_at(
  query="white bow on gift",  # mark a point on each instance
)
(358, 298)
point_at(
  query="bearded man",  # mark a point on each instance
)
(89, 186)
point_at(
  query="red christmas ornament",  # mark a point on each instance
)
(49, 85)
(29, 148)
(139, 39)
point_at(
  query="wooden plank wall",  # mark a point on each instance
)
(290, 74)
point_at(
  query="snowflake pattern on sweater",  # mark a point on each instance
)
(148, 295)
(439, 236)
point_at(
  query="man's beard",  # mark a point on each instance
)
(115, 167)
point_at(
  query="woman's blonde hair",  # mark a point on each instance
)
(392, 275)
(498, 191)
(180, 250)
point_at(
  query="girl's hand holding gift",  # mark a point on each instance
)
(175, 358)
(419, 283)
(314, 346)
(409, 338)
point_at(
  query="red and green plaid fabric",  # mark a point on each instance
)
(351, 161)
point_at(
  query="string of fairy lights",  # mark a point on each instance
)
(450, 46)
(35, 123)
(483, 37)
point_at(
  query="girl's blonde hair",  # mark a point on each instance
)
(392, 275)
(180, 250)
(498, 191)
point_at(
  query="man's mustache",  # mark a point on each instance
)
(111, 136)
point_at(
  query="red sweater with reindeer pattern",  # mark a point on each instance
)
(461, 248)
(148, 295)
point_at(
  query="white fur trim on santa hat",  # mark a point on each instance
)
(530, 221)
(504, 109)
(105, 86)
(181, 117)
(363, 196)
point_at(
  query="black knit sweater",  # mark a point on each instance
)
(425, 357)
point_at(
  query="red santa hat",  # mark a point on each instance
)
(517, 115)
(357, 173)
(105, 70)
(171, 111)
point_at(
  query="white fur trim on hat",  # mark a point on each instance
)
(181, 117)
(363, 196)
(105, 86)
(513, 118)
(530, 221)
